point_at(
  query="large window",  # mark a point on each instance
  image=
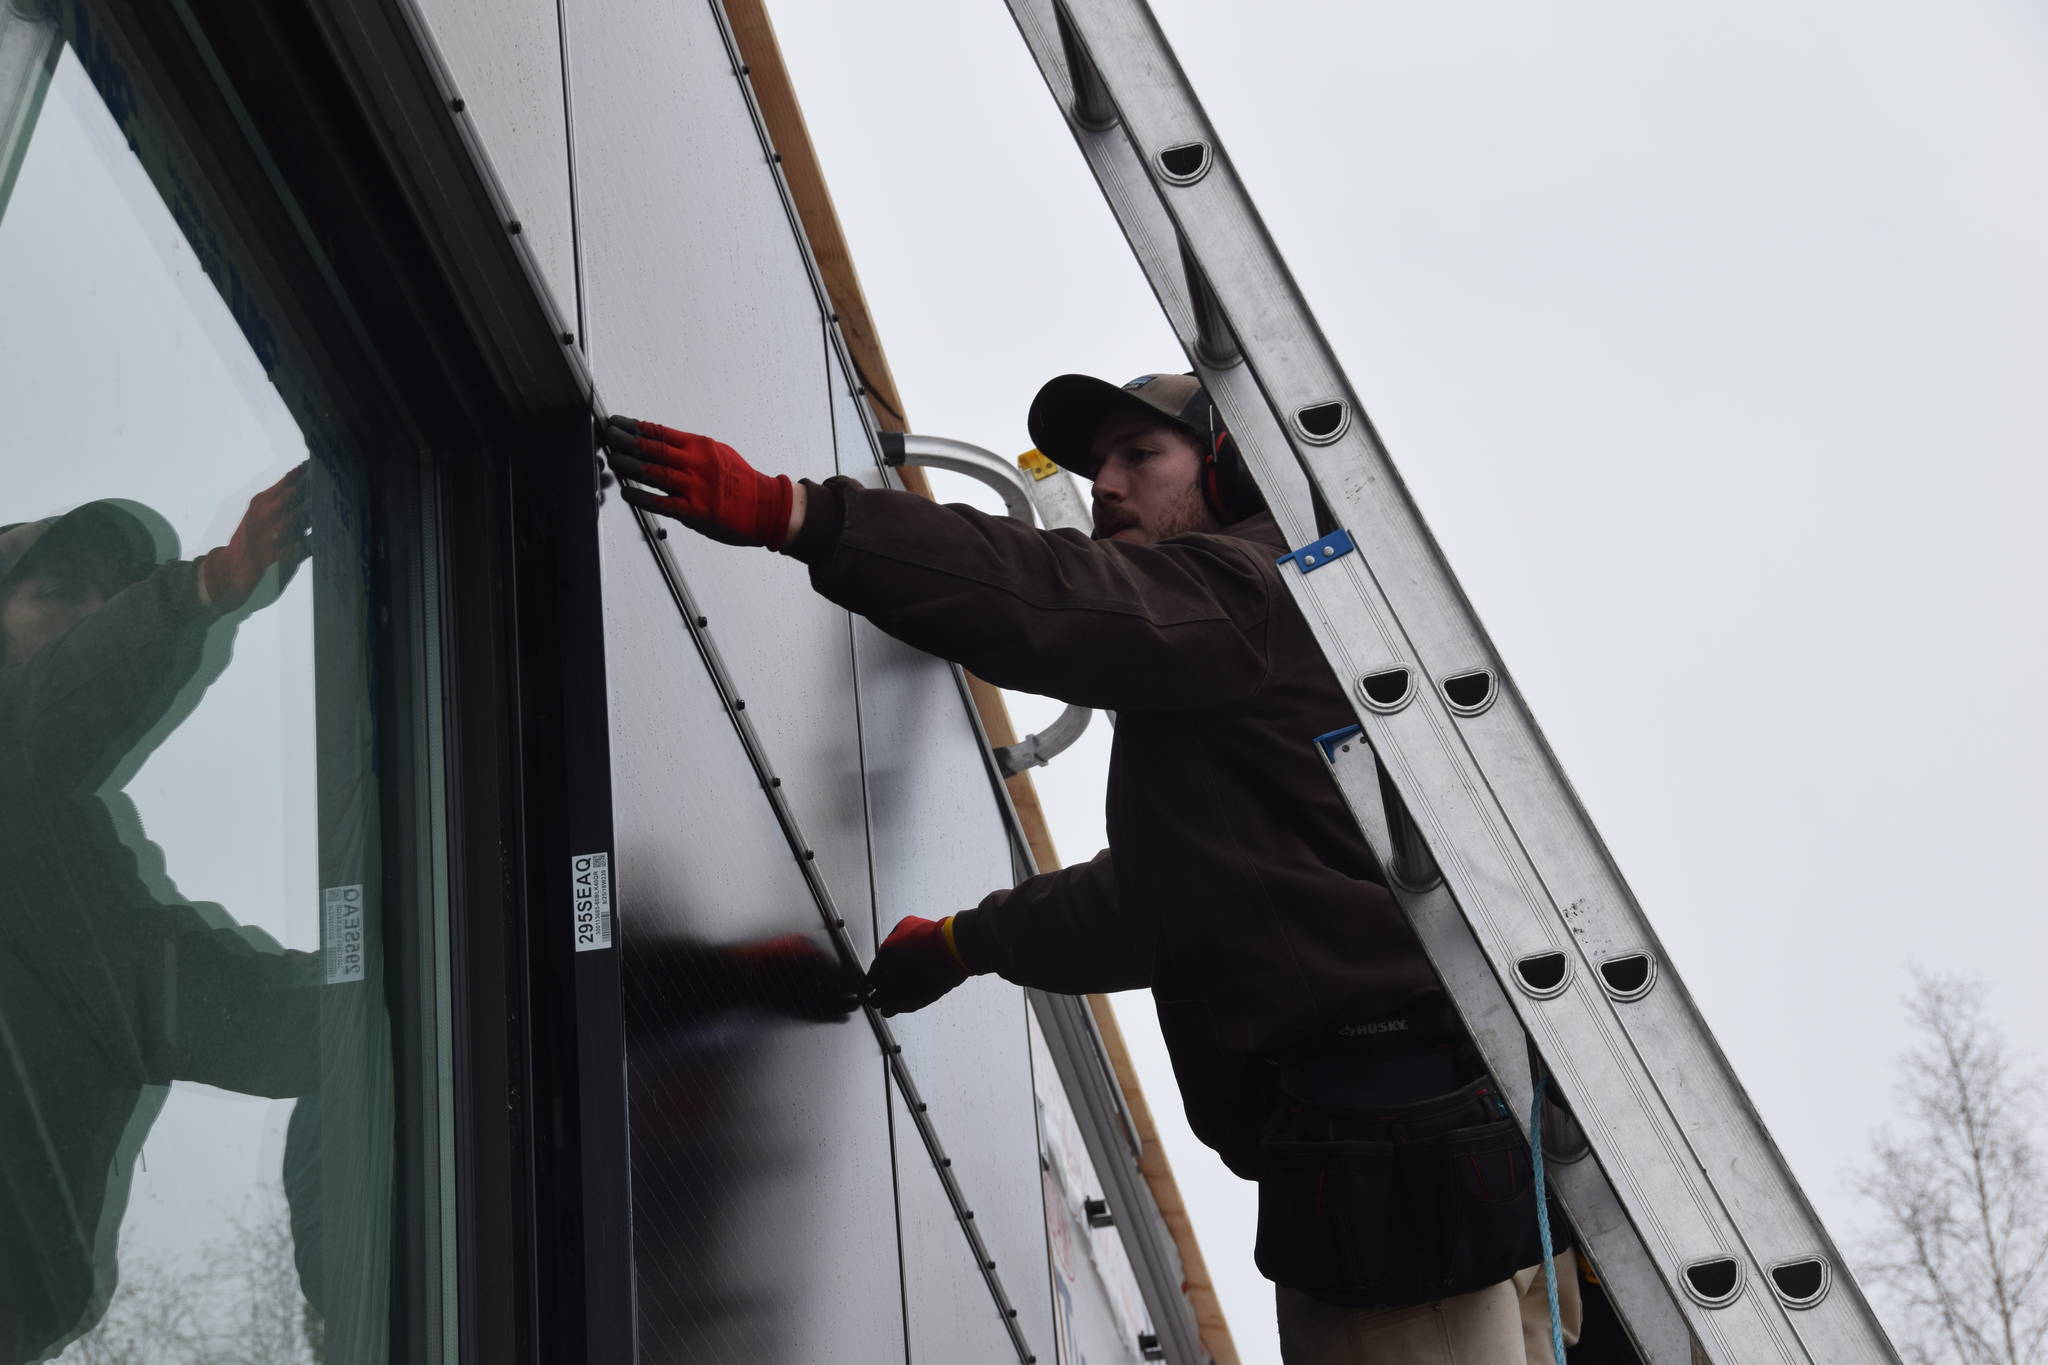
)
(220, 1052)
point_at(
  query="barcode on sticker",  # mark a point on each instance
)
(591, 882)
(341, 933)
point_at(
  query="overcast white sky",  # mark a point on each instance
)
(1708, 340)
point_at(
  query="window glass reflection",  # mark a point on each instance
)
(195, 1096)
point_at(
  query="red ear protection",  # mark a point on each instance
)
(1212, 464)
(1227, 486)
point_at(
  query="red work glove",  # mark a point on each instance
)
(272, 532)
(915, 965)
(713, 491)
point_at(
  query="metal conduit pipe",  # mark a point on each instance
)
(901, 448)
(1035, 751)
(983, 466)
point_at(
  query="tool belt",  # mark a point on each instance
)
(1385, 1179)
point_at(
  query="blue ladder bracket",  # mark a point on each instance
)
(1328, 743)
(1335, 545)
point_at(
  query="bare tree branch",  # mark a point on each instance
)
(234, 1300)
(1961, 1250)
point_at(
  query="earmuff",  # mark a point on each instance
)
(1227, 485)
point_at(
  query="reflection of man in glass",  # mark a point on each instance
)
(106, 994)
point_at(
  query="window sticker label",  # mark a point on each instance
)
(341, 932)
(591, 878)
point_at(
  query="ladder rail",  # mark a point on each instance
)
(1682, 1147)
(1654, 1323)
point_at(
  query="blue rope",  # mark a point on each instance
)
(1543, 1223)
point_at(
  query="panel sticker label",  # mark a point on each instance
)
(591, 878)
(341, 933)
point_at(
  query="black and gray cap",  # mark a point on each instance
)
(108, 535)
(1068, 411)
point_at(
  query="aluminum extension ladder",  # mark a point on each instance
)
(1695, 1225)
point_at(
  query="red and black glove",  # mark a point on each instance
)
(274, 531)
(915, 965)
(709, 488)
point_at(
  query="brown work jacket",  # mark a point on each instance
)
(1236, 884)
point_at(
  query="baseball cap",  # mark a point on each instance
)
(1069, 410)
(114, 536)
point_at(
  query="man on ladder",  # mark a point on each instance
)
(1314, 1047)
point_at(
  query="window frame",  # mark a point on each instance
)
(363, 200)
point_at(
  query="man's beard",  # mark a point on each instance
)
(1188, 513)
